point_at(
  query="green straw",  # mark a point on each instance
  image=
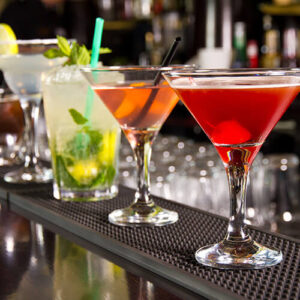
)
(94, 62)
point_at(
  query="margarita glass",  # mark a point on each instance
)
(140, 100)
(22, 73)
(237, 109)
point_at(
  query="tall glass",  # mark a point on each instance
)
(140, 100)
(22, 73)
(237, 109)
(83, 137)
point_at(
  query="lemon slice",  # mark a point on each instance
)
(7, 35)
(84, 171)
(107, 153)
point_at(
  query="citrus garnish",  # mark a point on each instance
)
(7, 35)
(138, 84)
(84, 171)
(107, 152)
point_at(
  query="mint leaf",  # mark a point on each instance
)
(104, 50)
(106, 177)
(53, 53)
(86, 143)
(83, 56)
(78, 118)
(64, 179)
(77, 55)
(74, 54)
(95, 135)
(110, 174)
(63, 45)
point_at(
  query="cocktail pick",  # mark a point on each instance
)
(94, 62)
(166, 61)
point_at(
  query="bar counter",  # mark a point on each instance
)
(58, 250)
(46, 262)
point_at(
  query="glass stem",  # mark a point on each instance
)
(31, 114)
(142, 153)
(237, 175)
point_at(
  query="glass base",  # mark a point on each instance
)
(242, 255)
(34, 174)
(151, 216)
(84, 195)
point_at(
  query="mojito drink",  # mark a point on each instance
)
(83, 137)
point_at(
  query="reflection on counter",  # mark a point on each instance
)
(14, 234)
(38, 264)
(80, 274)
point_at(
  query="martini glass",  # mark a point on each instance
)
(237, 109)
(22, 73)
(141, 103)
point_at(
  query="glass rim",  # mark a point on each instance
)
(196, 71)
(33, 42)
(88, 69)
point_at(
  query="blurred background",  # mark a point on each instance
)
(215, 34)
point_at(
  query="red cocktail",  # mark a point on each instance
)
(237, 109)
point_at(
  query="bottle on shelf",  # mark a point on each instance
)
(270, 57)
(239, 45)
(289, 55)
(252, 54)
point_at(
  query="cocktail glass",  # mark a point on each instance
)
(22, 73)
(237, 109)
(141, 103)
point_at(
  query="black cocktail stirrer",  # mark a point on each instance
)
(167, 60)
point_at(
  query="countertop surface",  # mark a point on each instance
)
(40, 263)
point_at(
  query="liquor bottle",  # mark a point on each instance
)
(289, 58)
(271, 45)
(239, 45)
(252, 54)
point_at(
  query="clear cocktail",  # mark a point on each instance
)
(84, 149)
(22, 72)
(237, 109)
(141, 106)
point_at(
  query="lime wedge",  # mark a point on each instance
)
(8, 36)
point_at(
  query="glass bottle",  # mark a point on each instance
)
(239, 45)
(289, 58)
(271, 44)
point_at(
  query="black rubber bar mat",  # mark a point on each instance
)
(167, 251)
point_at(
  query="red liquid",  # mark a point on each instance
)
(238, 120)
(139, 106)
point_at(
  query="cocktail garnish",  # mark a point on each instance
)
(8, 36)
(77, 117)
(230, 132)
(77, 54)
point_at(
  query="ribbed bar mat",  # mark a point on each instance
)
(168, 251)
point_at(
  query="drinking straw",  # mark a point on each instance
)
(168, 58)
(166, 61)
(94, 62)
